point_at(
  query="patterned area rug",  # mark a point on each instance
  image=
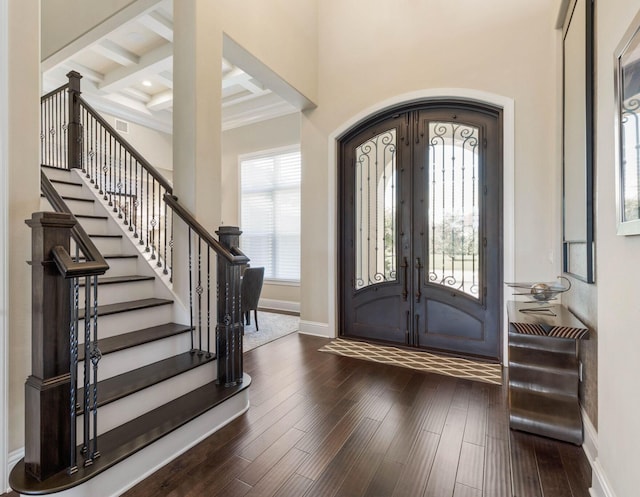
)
(272, 326)
(422, 361)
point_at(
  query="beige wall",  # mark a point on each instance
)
(369, 55)
(65, 20)
(618, 273)
(283, 34)
(24, 196)
(274, 133)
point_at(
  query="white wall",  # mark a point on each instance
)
(24, 195)
(370, 55)
(274, 133)
(618, 273)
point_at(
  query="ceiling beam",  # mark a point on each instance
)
(116, 53)
(161, 101)
(238, 77)
(129, 103)
(137, 94)
(90, 74)
(159, 59)
(159, 24)
(100, 32)
(165, 78)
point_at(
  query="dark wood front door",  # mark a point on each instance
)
(421, 229)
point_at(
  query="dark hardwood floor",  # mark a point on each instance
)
(323, 425)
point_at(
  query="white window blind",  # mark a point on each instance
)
(270, 213)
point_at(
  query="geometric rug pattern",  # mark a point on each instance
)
(422, 361)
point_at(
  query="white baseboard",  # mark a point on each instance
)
(314, 328)
(600, 486)
(280, 305)
(14, 457)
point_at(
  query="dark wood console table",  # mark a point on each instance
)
(544, 371)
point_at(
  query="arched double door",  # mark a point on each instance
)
(420, 213)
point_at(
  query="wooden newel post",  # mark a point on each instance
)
(47, 390)
(230, 327)
(74, 132)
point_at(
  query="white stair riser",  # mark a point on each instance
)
(121, 292)
(136, 357)
(133, 406)
(122, 266)
(104, 245)
(107, 245)
(97, 226)
(61, 174)
(80, 207)
(66, 190)
(123, 322)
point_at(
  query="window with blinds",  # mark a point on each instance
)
(270, 212)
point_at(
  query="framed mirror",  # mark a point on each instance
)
(577, 141)
(627, 85)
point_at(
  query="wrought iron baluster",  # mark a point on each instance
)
(117, 177)
(144, 224)
(96, 355)
(86, 418)
(208, 301)
(199, 290)
(171, 244)
(153, 222)
(191, 292)
(136, 204)
(166, 232)
(73, 365)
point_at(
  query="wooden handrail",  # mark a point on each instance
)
(127, 146)
(233, 256)
(95, 263)
(53, 92)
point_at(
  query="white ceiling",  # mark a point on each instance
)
(128, 72)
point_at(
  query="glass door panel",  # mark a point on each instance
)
(375, 204)
(453, 214)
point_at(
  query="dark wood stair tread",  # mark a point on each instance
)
(130, 305)
(138, 337)
(118, 387)
(93, 235)
(110, 280)
(90, 216)
(65, 182)
(78, 199)
(127, 439)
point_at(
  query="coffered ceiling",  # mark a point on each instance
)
(127, 69)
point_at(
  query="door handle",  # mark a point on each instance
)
(418, 281)
(405, 291)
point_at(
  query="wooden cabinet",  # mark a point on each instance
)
(544, 371)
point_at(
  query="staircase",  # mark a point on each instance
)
(153, 384)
